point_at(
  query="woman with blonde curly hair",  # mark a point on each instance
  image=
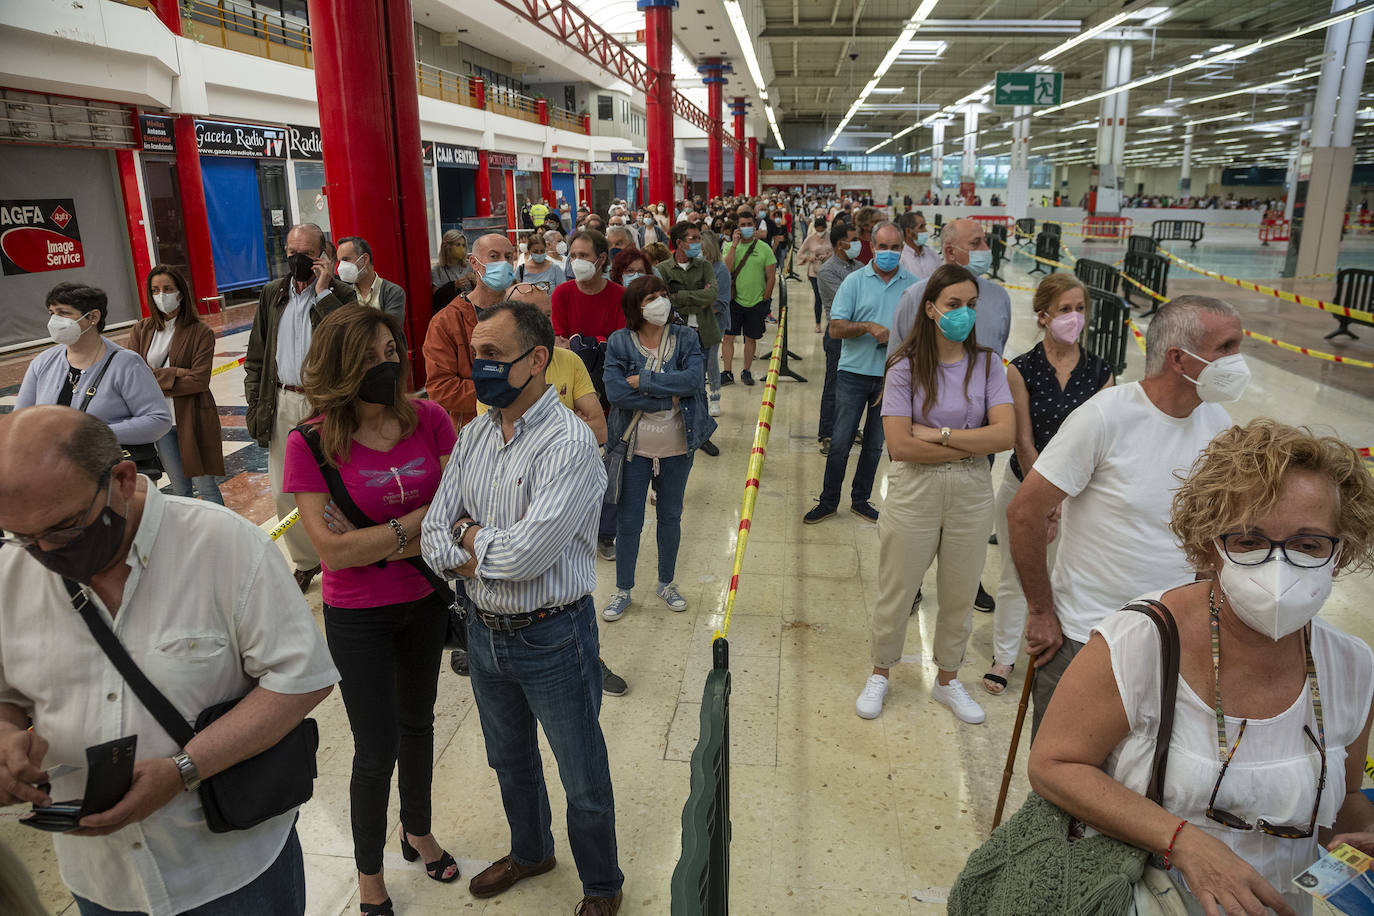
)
(1271, 721)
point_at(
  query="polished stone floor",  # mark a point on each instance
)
(831, 813)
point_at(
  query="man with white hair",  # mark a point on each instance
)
(1113, 467)
(964, 242)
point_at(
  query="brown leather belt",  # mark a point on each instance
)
(295, 389)
(509, 623)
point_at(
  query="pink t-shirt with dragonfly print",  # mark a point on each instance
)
(385, 485)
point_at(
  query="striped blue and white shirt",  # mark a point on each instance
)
(537, 498)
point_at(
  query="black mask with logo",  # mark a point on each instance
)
(90, 552)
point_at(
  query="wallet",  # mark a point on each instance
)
(110, 775)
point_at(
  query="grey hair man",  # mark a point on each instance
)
(963, 242)
(1113, 468)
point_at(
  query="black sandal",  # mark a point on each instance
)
(435, 869)
(997, 679)
(377, 909)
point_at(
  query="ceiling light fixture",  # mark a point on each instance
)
(751, 60)
(773, 123)
(909, 29)
(1084, 36)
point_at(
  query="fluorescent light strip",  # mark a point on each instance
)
(773, 123)
(1349, 13)
(909, 29)
(1084, 36)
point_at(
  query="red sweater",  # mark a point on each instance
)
(574, 312)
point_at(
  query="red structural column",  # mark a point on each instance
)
(658, 108)
(370, 136)
(195, 219)
(546, 179)
(753, 166)
(482, 184)
(737, 109)
(133, 218)
(479, 92)
(586, 188)
(715, 70)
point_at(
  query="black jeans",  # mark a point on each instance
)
(816, 294)
(388, 659)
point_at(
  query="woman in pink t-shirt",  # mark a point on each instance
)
(384, 621)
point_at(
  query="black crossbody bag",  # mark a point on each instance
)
(144, 455)
(457, 635)
(247, 793)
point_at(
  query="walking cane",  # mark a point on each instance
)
(1015, 741)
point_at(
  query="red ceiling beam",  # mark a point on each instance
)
(562, 20)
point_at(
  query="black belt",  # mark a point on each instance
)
(509, 623)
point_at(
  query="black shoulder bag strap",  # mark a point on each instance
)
(95, 382)
(339, 493)
(1168, 695)
(152, 699)
(739, 262)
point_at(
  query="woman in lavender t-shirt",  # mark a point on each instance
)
(945, 405)
(384, 621)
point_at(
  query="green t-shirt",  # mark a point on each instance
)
(751, 279)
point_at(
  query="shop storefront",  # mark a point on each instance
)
(529, 179)
(501, 167)
(564, 183)
(243, 168)
(161, 197)
(457, 167)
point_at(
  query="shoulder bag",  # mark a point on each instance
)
(144, 455)
(249, 792)
(456, 637)
(619, 452)
(1038, 861)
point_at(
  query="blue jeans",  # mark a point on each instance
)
(279, 891)
(629, 518)
(832, 365)
(857, 397)
(549, 674)
(169, 450)
(816, 294)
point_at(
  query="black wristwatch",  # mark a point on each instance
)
(462, 531)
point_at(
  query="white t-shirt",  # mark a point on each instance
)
(1116, 457)
(1275, 770)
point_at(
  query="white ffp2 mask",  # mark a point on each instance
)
(1222, 379)
(1275, 598)
(656, 311)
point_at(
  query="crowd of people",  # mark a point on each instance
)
(572, 376)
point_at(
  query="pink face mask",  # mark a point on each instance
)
(1067, 327)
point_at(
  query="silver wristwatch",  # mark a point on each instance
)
(462, 532)
(190, 776)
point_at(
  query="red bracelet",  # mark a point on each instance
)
(1170, 851)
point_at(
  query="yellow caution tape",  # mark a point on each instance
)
(755, 472)
(285, 523)
(1143, 288)
(227, 366)
(1286, 296)
(1024, 289)
(1042, 260)
(1294, 348)
(1138, 337)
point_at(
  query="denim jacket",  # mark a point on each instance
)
(685, 380)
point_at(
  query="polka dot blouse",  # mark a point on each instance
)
(1050, 404)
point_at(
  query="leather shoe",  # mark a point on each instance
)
(599, 906)
(710, 448)
(504, 873)
(305, 576)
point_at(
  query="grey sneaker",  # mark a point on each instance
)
(823, 443)
(606, 550)
(612, 684)
(615, 608)
(671, 596)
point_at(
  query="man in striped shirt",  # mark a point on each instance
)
(516, 518)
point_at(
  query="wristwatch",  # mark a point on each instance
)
(190, 776)
(944, 435)
(462, 532)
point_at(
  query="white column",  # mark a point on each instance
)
(1329, 83)
(1343, 133)
(937, 155)
(1303, 139)
(1018, 176)
(1107, 112)
(1123, 76)
(969, 164)
(1185, 168)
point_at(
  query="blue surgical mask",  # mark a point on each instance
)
(498, 275)
(746, 232)
(853, 249)
(979, 262)
(887, 261)
(693, 249)
(923, 239)
(957, 324)
(491, 379)
(629, 277)
(539, 257)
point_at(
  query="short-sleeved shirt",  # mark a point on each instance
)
(575, 312)
(993, 313)
(830, 275)
(384, 485)
(987, 388)
(865, 296)
(1050, 404)
(1117, 457)
(752, 278)
(567, 374)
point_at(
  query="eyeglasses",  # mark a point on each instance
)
(543, 286)
(61, 537)
(1226, 818)
(1309, 551)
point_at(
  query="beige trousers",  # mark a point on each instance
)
(931, 510)
(292, 410)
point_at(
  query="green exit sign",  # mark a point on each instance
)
(1023, 88)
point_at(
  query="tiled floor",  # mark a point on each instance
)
(831, 813)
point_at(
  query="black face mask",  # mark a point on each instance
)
(381, 384)
(90, 552)
(302, 267)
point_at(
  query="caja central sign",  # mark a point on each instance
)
(39, 235)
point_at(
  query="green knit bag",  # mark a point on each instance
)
(1030, 867)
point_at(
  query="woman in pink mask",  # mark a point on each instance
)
(1047, 383)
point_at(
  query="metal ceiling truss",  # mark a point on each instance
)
(561, 20)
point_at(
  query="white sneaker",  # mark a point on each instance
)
(714, 404)
(671, 596)
(615, 608)
(870, 702)
(956, 698)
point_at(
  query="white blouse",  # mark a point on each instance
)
(1275, 769)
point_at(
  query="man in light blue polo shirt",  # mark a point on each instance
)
(859, 318)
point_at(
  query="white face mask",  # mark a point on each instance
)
(561, 248)
(347, 271)
(656, 311)
(66, 331)
(1275, 598)
(167, 303)
(523, 247)
(1222, 379)
(583, 269)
